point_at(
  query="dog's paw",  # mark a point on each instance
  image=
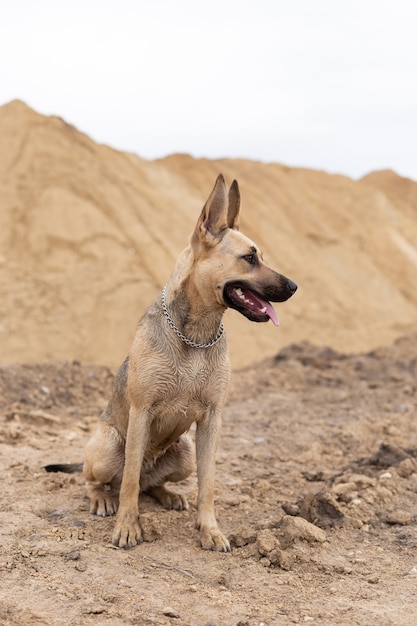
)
(127, 531)
(213, 539)
(102, 504)
(169, 499)
(175, 501)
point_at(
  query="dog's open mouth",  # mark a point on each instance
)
(249, 303)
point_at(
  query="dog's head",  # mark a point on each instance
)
(230, 265)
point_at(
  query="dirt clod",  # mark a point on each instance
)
(266, 542)
(293, 528)
(387, 456)
(322, 510)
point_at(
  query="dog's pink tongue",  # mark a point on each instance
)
(269, 310)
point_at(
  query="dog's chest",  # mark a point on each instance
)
(193, 389)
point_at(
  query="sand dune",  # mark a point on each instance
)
(88, 237)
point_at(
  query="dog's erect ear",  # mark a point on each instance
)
(214, 216)
(234, 206)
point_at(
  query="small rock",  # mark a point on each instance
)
(407, 467)
(77, 523)
(291, 509)
(72, 556)
(373, 580)
(385, 476)
(400, 517)
(80, 567)
(169, 612)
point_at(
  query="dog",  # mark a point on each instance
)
(177, 373)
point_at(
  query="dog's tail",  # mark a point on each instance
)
(67, 468)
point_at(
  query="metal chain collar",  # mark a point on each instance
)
(183, 338)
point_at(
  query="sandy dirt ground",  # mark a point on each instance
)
(316, 488)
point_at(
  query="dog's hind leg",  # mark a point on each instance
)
(104, 458)
(174, 465)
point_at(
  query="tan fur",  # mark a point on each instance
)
(141, 441)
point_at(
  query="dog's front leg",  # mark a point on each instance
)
(127, 531)
(207, 435)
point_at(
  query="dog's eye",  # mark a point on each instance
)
(252, 259)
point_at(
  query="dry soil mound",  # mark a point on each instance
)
(88, 237)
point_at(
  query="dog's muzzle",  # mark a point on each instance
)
(256, 304)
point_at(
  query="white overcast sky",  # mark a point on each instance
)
(326, 84)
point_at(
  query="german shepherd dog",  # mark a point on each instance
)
(177, 373)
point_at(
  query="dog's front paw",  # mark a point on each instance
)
(213, 539)
(127, 531)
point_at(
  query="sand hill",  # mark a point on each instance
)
(88, 237)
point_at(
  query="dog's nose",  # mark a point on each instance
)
(292, 286)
